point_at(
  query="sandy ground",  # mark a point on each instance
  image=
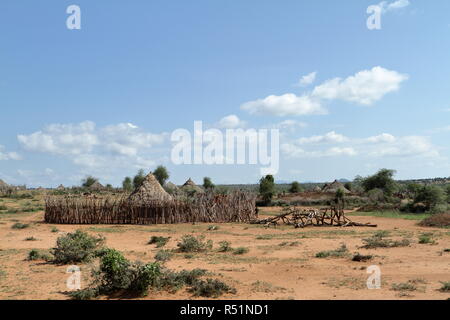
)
(282, 259)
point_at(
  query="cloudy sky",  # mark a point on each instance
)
(105, 99)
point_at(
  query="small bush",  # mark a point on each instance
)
(225, 246)
(360, 257)
(445, 286)
(190, 243)
(30, 239)
(76, 247)
(377, 241)
(240, 250)
(406, 286)
(174, 281)
(426, 238)
(436, 220)
(210, 288)
(163, 255)
(159, 241)
(213, 228)
(3, 207)
(37, 255)
(340, 252)
(54, 229)
(19, 225)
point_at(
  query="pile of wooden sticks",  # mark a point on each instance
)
(300, 218)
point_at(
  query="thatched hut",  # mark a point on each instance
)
(150, 189)
(317, 189)
(61, 188)
(3, 185)
(334, 186)
(96, 186)
(190, 187)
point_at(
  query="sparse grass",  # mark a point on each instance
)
(263, 286)
(349, 282)
(30, 239)
(377, 241)
(391, 214)
(159, 241)
(224, 246)
(38, 255)
(405, 286)
(290, 244)
(163, 255)
(54, 229)
(3, 207)
(342, 251)
(19, 226)
(426, 238)
(190, 243)
(213, 228)
(240, 250)
(210, 288)
(2, 273)
(445, 286)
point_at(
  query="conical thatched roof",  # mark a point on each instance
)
(335, 186)
(3, 184)
(150, 189)
(172, 188)
(61, 187)
(317, 189)
(190, 187)
(96, 186)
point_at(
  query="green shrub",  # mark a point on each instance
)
(3, 207)
(213, 228)
(190, 243)
(160, 241)
(426, 238)
(174, 281)
(224, 246)
(445, 286)
(377, 241)
(76, 247)
(406, 286)
(30, 239)
(340, 252)
(54, 229)
(163, 255)
(37, 255)
(240, 250)
(210, 288)
(19, 225)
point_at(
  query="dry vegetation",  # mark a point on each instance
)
(242, 261)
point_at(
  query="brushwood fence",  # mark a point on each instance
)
(208, 207)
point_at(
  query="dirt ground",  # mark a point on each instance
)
(281, 262)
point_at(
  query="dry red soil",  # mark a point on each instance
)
(282, 259)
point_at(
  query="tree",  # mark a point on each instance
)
(267, 188)
(138, 179)
(448, 193)
(295, 187)
(88, 181)
(348, 186)
(381, 180)
(161, 174)
(339, 198)
(207, 183)
(413, 189)
(127, 184)
(430, 196)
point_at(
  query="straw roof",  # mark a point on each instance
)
(190, 187)
(317, 189)
(334, 186)
(61, 187)
(150, 189)
(96, 186)
(3, 184)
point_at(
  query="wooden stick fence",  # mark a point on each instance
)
(235, 207)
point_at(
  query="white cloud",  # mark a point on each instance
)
(8, 155)
(231, 121)
(330, 137)
(119, 145)
(365, 87)
(307, 79)
(392, 6)
(285, 105)
(383, 145)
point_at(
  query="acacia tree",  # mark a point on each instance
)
(138, 179)
(295, 187)
(207, 183)
(88, 181)
(127, 184)
(267, 188)
(161, 174)
(381, 180)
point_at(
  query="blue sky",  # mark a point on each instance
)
(104, 100)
